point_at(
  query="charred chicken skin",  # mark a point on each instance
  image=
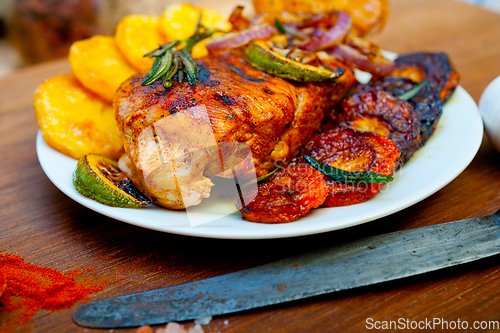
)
(173, 136)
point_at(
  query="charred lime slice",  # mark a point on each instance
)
(262, 56)
(100, 178)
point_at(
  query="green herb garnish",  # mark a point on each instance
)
(254, 181)
(413, 91)
(260, 179)
(280, 26)
(170, 61)
(347, 177)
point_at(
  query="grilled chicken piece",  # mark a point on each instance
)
(174, 137)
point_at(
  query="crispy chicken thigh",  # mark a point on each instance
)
(174, 138)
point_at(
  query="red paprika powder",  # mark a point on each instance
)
(31, 288)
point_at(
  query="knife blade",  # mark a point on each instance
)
(344, 266)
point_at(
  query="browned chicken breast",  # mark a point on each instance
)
(175, 138)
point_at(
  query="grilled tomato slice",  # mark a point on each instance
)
(380, 112)
(353, 151)
(286, 196)
(427, 102)
(436, 67)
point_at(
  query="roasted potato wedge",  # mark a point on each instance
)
(200, 50)
(74, 121)
(286, 196)
(427, 102)
(366, 14)
(179, 21)
(99, 65)
(352, 150)
(380, 112)
(135, 36)
(436, 67)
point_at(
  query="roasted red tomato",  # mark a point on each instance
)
(436, 67)
(342, 150)
(286, 196)
(426, 102)
(380, 112)
(387, 153)
(332, 146)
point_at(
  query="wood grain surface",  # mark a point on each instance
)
(41, 224)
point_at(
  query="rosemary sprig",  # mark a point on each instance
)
(170, 61)
(253, 182)
(262, 178)
(291, 31)
(279, 26)
(413, 91)
(347, 177)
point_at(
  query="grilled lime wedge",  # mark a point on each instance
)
(99, 178)
(262, 57)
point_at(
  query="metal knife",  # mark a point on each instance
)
(344, 266)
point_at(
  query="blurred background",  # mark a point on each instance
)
(33, 31)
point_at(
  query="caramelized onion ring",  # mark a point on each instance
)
(333, 35)
(372, 64)
(237, 39)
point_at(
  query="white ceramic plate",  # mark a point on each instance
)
(446, 154)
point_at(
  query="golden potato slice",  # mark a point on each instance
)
(74, 121)
(367, 15)
(179, 21)
(270, 6)
(213, 19)
(200, 50)
(135, 36)
(99, 65)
